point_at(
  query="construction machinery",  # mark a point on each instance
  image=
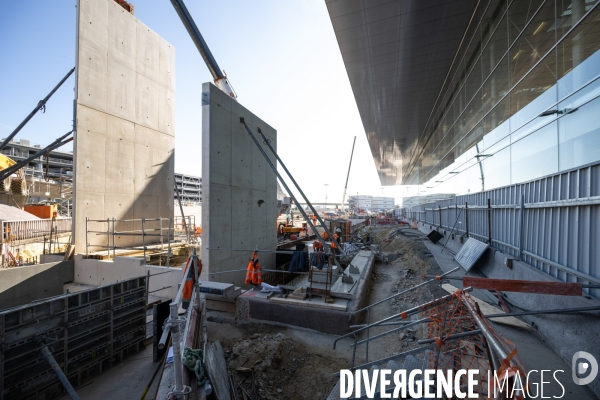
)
(15, 182)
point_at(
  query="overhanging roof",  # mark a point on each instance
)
(397, 55)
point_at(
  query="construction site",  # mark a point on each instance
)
(121, 278)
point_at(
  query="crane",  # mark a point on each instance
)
(220, 79)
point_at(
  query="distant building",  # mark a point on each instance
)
(371, 203)
(412, 201)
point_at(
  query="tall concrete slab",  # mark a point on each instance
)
(125, 96)
(239, 190)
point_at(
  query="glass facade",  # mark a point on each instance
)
(524, 103)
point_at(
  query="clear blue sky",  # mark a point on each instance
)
(282, 58)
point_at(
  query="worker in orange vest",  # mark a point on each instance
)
(190, 274)
(336, 236)
(253, 272)
(325, 235)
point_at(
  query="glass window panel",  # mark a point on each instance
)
(579, 136)
(493, 15)
(495, 48)
(582, 96)
(495, 124)
(473, 82)
(496, 86)
(533, 44)
(569, 12)
(579, 56)
(535, 155)
(474, 182)
(496, 170)
(534, 94)
(520, 13)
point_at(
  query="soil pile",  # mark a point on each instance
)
(283, 368)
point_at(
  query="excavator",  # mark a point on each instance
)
(15, 182)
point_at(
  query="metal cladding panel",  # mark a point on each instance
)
(470, 253)
(397, 56)
(560, 218)
(87, 333)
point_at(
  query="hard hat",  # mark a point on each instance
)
(338, 230)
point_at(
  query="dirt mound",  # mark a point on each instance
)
(283, 368)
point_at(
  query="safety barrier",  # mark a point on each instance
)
(549, 223)
(37, 228)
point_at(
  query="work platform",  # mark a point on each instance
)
(313, 313)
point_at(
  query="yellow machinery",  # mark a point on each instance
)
(14, 183)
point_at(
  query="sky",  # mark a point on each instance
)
(281, 57)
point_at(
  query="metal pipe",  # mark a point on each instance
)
(59, 373)
(455, 336)
(407, 325)
(308, 203)
(348, 175)
(537, 312)
(197, 38)
(404, 291)
(5, 173)
(41, 104)
(406, 314)
(308, 220)
(176, 344)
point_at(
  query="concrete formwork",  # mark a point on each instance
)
(125, 93)
(239, 190)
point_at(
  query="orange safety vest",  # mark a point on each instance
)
(317, 245)
(253, 272)
(188, 286)
(335, 237)
(325, 236)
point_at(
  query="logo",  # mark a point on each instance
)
(580, 368)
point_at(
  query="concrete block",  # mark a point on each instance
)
(91, 120)
(120, 90)
(119, 128)
(147, 54)
(93, 24)
(166, 112)
(143, 168)
(119, 167)
(231, 215)
(121, 36)
(220, 145)
(146, 102)
(91, 162)
(92, 73)
(166, 64)
(86, 271)
(145, 206)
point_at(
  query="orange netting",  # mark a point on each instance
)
(458, 349)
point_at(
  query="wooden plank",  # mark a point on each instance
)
(488, 309)
(216, 367)
(515, 285)
(338, 304)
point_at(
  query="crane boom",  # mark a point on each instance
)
(219, 77)
(348, 176)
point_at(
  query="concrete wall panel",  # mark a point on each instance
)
(124, 159)
(22, 285)
(239, 189)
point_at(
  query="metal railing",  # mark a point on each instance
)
(547, 223)
(35, 228)
(368, 325)
(153, 234)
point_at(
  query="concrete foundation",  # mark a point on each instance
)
(125, 93)
(253, 306)
(22, 285)
(239, 190)
(163, 281)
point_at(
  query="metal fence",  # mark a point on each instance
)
(36, 228)
(551, 223)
